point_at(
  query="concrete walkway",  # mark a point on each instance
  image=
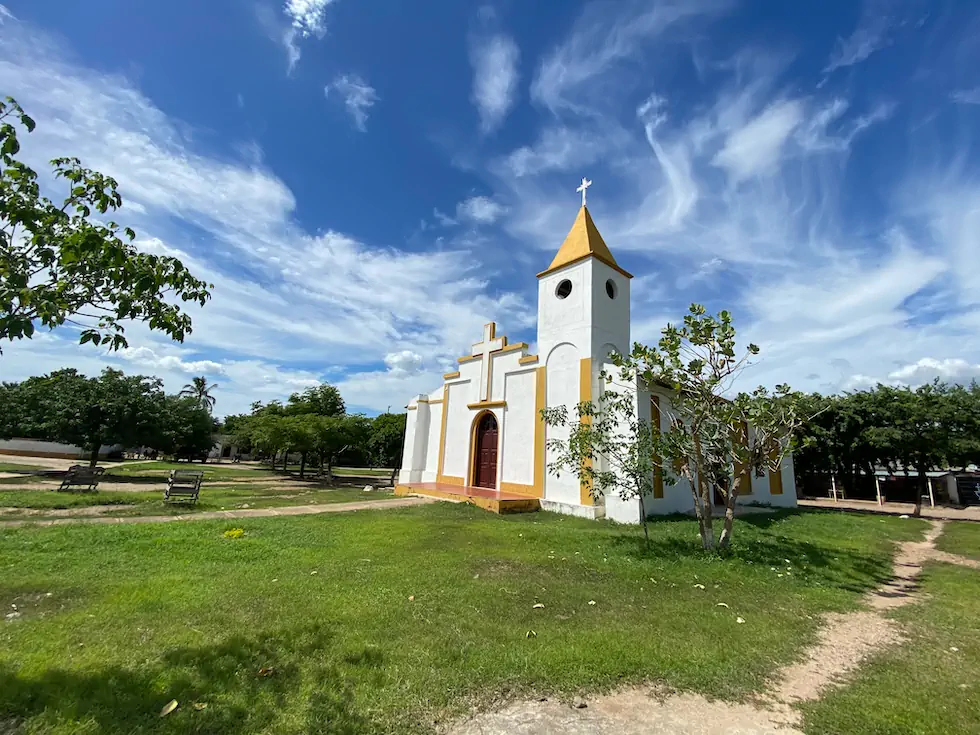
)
(289, 510)
(940, 513)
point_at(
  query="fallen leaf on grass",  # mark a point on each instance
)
(739, 620)
(314, 572)
(169, 707)
(722, 604)
(699, 586)
(266, 671)
(200, 706)
(592, 602)
(411, 598)
(530, 634)
(537, 605)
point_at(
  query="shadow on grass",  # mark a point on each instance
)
(813, 563)
(282, 682)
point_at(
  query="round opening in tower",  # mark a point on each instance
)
(610, 289)
(564, 288)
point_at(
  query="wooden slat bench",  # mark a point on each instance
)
(81, 478)
(183, 486)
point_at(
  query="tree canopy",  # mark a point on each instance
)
(60, 264)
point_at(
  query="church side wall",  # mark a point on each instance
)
(457, 440)
(433, 428)
(517, 446)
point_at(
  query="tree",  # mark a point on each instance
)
(609, 447)
(386, 441)
(711, 441)
(334, 434)
(322, 400)
(185, 429)
(65, 406)
(200, 391)
(300, 435)
(57, 265)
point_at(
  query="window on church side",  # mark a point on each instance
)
(564, 288)
(610, 289)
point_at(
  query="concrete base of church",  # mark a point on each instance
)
(492, 500)
(592, 512)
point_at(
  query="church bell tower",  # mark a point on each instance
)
(583, 316)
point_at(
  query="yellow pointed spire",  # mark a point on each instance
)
(583, 241)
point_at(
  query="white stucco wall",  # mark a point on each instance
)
(517, 447)
(562, 389)
(36, 447)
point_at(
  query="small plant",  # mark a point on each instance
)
(234, 533)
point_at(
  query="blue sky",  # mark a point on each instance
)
(367, 184)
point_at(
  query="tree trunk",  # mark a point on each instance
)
(726, 533)
(643, 519)
(285, 461)
(329, 469)
(302, 464)
(93, 459)
(394, 476)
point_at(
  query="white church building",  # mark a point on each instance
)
(480, 437)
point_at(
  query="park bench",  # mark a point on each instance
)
(183, 486)
(79, 477)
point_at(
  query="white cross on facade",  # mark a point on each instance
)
(585, 185)
(490, 344)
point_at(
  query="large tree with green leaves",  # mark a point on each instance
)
(322, 400)
(386, 441)
(64, 263)
(65, 406)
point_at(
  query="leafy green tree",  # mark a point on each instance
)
(387, 440)
(300, 435)
(185, 429)
(65, 406)
(322, 400)
(708, 442)
(200, 391)
(335, 434)
(58, 265)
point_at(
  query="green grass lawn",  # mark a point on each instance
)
(961, 538)
(923, 687)
(16, 467)
(394, 621)
(211, 470)
(373, 472)
(150, 502)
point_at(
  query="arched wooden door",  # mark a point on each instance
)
(485, 452)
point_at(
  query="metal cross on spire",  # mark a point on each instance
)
(585, 185)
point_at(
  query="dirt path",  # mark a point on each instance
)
(843, 643)
(289, 510)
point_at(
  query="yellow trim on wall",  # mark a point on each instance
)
(410, 408)
(450, 480)
(658, 471)
(469, 358)
(442, 437)
(776, 479)
(540, 396)
(487, 404)
(585, 394)
(450, 376)
(520, 489)
(745, 487)
(511, 348)
(432, 401)
(527, 360)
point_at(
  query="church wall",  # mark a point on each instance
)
(433, 430)
(562, 389)
(517, 446)
(458, 421)
(610, 321)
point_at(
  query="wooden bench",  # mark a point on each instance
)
(81, 478)
(183, 486)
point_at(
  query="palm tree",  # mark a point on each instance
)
(199, 389)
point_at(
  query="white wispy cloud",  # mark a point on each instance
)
(480, 209)
(148, 358)
(495, 78)
(357, 95)
(755, 148)
(308, 17)
(870, 35)
(966, 96)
